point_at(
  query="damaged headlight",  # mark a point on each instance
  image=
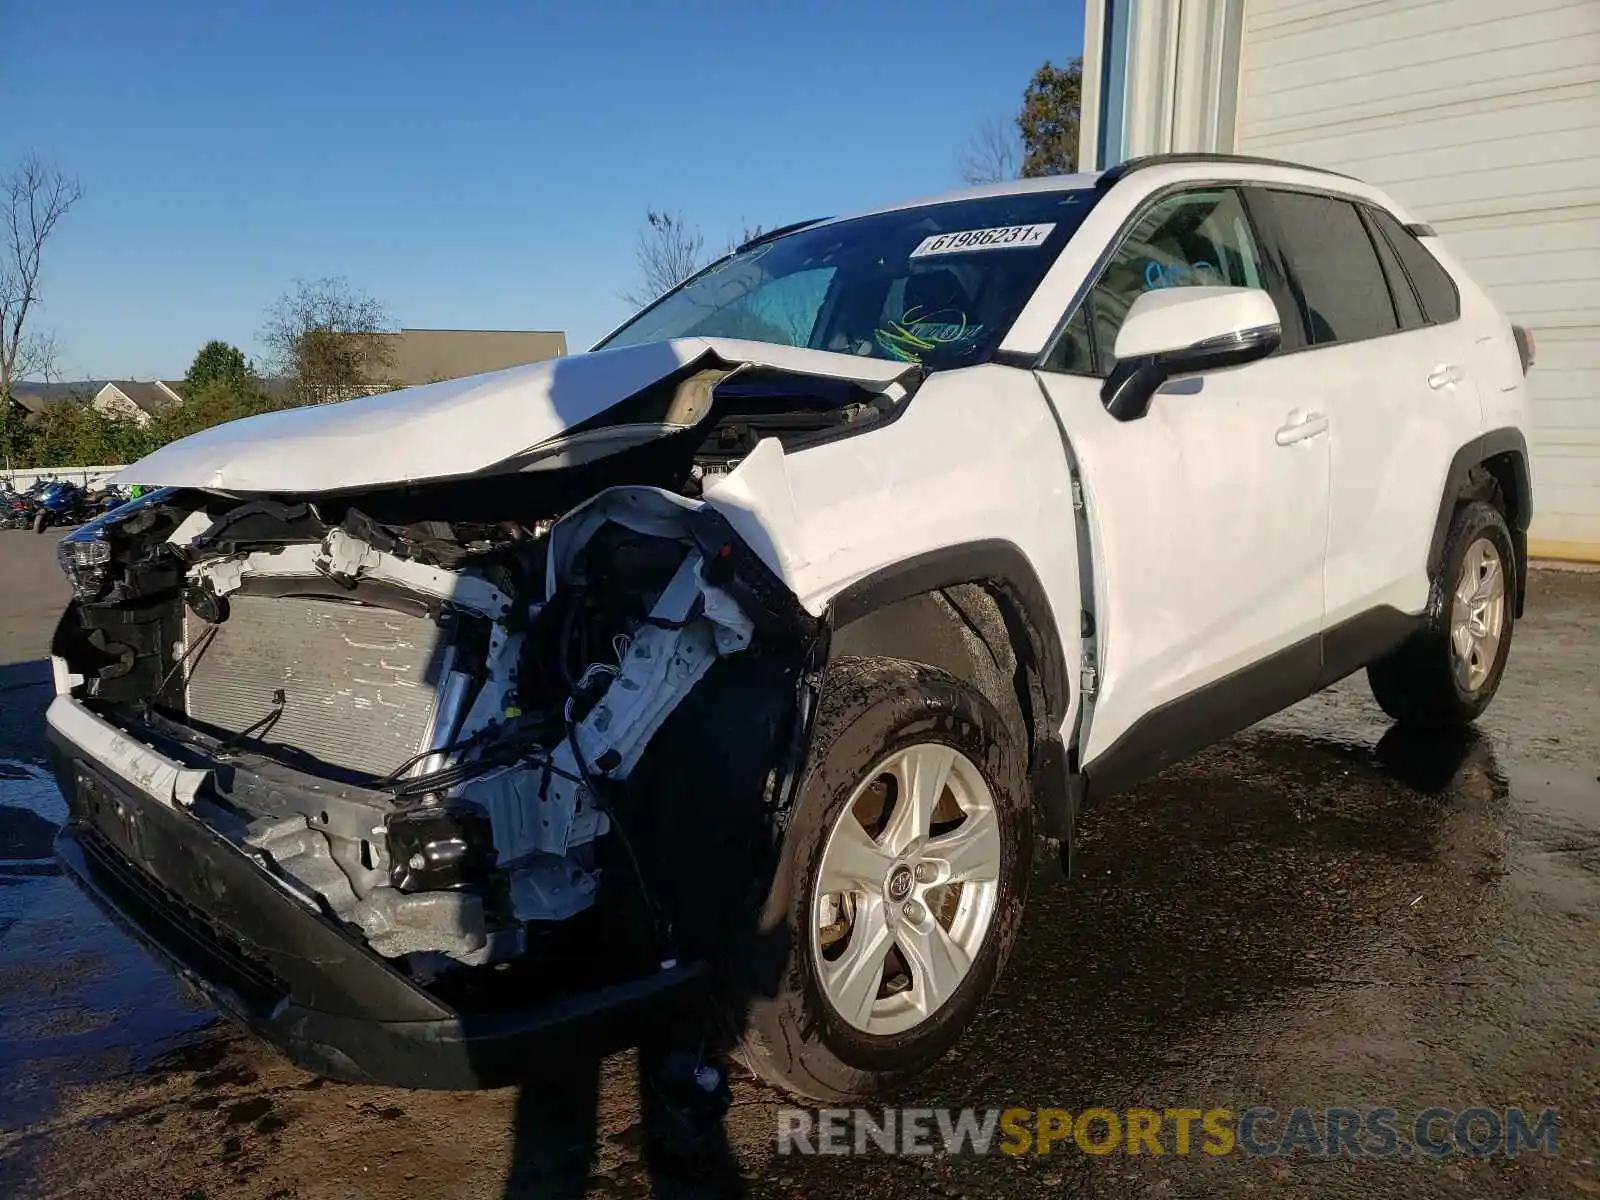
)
(85, 555)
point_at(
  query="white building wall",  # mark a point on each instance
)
(1481, 116)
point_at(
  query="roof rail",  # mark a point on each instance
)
(769, 234)
(1114, 175)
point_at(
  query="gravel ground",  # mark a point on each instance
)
(1318, 912)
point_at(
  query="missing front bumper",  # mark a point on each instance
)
(297, 978)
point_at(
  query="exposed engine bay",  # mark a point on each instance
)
(422, 707)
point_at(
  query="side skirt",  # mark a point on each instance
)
(1218, 710)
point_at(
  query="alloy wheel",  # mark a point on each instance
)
(1477, 615)
(907, 891)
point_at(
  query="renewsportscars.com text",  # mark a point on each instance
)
(1259, 1131)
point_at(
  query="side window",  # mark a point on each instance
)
(1072, 353)
(1333, 268)
(1441, 302)
(1190, 239)
(1400, 289)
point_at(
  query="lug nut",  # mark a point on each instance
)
(927, 872)
(914, 912)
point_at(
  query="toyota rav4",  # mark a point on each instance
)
(747, 663)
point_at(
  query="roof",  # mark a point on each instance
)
(1086, 179)
(418, 356)
(36, 397)
(151, 397)
(1006, 187)
(1142, 162)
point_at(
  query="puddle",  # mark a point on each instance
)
(77, 999)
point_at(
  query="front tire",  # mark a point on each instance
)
(1446, 674)
(902, 881)
(41, 522)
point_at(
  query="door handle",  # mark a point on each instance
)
(1444, 375)
(1301, 426)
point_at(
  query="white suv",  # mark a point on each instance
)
(751, 656)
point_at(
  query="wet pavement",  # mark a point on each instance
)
(1319, 912)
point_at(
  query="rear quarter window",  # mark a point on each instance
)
(1406, 306)
(1441, 300)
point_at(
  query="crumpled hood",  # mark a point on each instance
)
(459, 427)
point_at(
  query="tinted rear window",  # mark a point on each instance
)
(1333, 267)
(1405, 297)
(1441, 302)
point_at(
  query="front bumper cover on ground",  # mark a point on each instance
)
(297, 978)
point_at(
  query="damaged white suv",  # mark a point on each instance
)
(736, 671)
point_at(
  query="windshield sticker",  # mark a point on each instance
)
(1001, 237)
(909, 338)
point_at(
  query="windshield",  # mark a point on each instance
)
(937, 285)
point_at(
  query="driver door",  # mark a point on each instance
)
(1207, 517)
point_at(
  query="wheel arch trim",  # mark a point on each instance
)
(1507, 444)
(1002, 565)
(992, 560)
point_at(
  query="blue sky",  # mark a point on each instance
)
(470, 165)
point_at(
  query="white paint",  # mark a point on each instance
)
(1208, 534)
(1176, 318)
(976, 456)
(351, 558)
(104, 744)
(1220, 533)
(458, 427)
(1393, 436)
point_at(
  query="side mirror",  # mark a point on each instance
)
(1178, 331)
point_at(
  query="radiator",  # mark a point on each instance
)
(359, 683)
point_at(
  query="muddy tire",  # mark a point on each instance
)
(855, 873)
(1445, 674)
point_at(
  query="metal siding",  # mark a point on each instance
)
(1483, 119)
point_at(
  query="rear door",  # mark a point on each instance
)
(1399, 396)
(1206, 516)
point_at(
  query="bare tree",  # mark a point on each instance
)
(668, 252)
(330, 339)
(33, 199)
(992, 152)
(747, 233)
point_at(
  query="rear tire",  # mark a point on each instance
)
(1445, 674)
(830, 1032)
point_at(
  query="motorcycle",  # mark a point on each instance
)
(103, 500)
(60, 503)
(16, 509)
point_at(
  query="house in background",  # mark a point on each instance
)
(130, 400)
(1480, 116)
(119, 399)
(419, 356)
(34, 398)
(412, 357)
